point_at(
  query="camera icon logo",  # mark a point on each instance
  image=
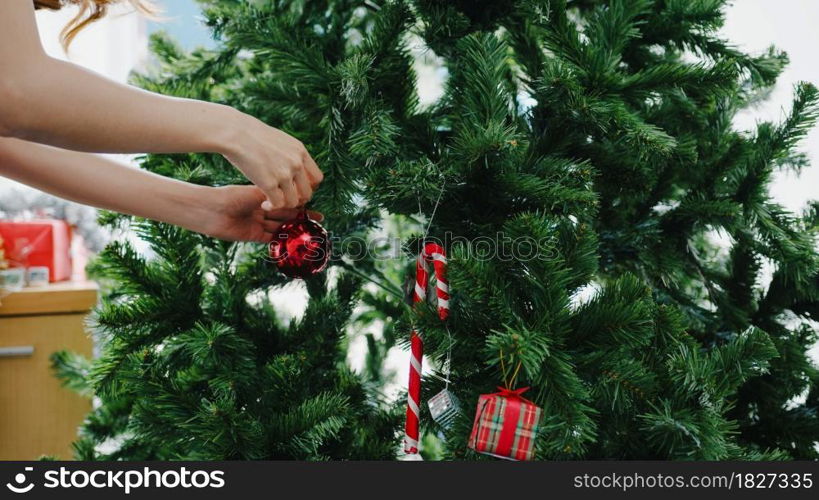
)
(20, 478)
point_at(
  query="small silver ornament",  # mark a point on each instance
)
(444, 408)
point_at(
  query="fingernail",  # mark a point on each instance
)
(267, 206)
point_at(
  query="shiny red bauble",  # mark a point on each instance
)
(301, 247)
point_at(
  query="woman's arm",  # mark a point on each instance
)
(230, 212)
(58, 103)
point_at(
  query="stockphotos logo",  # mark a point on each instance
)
(20, 480)
(126, 480)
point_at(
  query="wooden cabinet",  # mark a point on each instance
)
(37, 415)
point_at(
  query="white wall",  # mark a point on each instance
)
(790, 25)
(113, 46)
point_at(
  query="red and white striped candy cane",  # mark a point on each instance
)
(432, 254)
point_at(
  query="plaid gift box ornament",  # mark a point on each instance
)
(505, 425)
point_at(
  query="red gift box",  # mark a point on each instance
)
(39, 243)
(505, 425)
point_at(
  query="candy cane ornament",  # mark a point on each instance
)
(432, 254)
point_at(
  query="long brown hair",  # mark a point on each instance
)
(90, 11)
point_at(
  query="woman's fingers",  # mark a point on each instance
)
(291, 194)
(303, 186)
(277, 163)
(285, 214)
(271, 226)
(316, 216)
(275, 199)
(313, 171)
(281, 214)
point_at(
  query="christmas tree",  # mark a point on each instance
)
(589, 142)
(602, 131)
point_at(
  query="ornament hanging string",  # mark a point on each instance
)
(447, 362)
(434, 209)
(509, 383)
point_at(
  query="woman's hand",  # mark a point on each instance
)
(275, 162)
(234, 213)
(230, 212)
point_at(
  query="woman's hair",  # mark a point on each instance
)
(90, 11)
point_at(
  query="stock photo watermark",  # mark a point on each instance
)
(500, 247)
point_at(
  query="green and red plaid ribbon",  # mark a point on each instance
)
(505, 425)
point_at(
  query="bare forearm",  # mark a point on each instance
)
(64, 105)
(100, 182)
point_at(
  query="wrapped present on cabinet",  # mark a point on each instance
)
(39, 243)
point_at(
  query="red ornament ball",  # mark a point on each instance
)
(301, 247)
